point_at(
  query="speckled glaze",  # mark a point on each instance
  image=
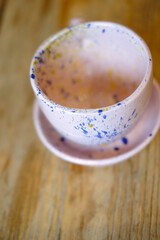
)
(105, 154)
(112, 48)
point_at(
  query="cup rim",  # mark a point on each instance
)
(148, 72)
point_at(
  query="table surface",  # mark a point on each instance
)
(42, 196)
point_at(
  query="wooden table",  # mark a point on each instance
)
(42, 196)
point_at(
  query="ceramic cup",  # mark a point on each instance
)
(92, 81)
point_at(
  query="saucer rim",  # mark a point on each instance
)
(96, 162)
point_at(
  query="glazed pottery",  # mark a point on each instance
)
(92, 81)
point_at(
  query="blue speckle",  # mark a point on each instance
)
(136, 115)
(129, 119)
(116, 148)
(100, 111)
(32, 76)
(104, 132)
(83, 123)
(124, 140)
(99, 135)
(104, 116)
(39, 92)
(39, 59)
(52, 110)
(121, 118)
(119, 104)
(133, 111)
(62, 139)
(84, 131)
(74, 111)
(51, 106)
(41, 52)
(103, 31)
(150, 134)
(88, 25)
(150, 59)
(89, 120)
(115, 132)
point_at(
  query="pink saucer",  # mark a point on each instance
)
(107, 154)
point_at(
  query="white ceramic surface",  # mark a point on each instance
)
(109, 154)
(118, 48)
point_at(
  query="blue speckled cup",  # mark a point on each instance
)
(108, 48)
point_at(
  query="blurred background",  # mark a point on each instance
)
(41, 196)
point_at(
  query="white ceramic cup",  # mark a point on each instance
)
(102, 47)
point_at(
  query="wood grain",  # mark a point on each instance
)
(41, 196)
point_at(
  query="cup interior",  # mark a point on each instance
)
(92, 65)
